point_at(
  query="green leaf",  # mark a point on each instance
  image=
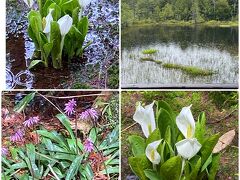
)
(55, 38)
(167, 136)
(138, 164)
(163, 121)
(24, 102)
(154, 136)
(45, 7)
(201, 128)
(75, 14)
(214, 166)
(208, 161)
(34, 63)
(152, 174)
(47, 49)
(195, 170)
(207, 147)
(33, 37)
(56, 14)
(83, 26)
(66, 123)
(165, 105)
(111, 170)
(69, 6)
(171, 169)
(72, 171)
(138, 144)
(93, 134)
(35, 21)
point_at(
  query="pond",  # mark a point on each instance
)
(90, 71)
(213, 49)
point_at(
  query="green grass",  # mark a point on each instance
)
(189, 69)
(150, 59)
(149, 51)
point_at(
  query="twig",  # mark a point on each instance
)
(129, 127)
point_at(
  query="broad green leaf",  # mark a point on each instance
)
(201, 128)
(55, 38)
(167, 136)
(69, 6)
(171, 169)
(207, 147)
(214, 166)
(35, 21)
(83, 26)
(47, 49)
(154, 136)
(32, 35)
(138, 164)
(111, 170)
(138, 144)
(45, 7)
(76, 164)
(34, 63)
(66, 123)
(152, 174)
(56, 14)
(195, 169)
(75, 15)
(93, 134)
(165, 105)
(163, 121)
(24, 102)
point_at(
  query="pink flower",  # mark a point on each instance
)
(88, 145)
(4, 151)
(31, 121)
(89, 113)
(69, 107)
(18, 136)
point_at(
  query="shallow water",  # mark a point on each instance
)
(89, 70)
(208, 48)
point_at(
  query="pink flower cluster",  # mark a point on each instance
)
(18, 136)
(88, 145)
(89, 113)
(31, 121)
(70, 107)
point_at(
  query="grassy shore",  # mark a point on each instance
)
(212, 23)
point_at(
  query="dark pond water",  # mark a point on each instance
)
(91, 71)
(208, 48)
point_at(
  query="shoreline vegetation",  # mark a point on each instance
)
(212, 23)
(222, 13)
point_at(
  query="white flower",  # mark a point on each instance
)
(151, 152)
(84, 3)
(65, 24)
(188, 147)
(145, 117)
(29, 3)
(49, 19)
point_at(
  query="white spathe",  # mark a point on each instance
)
(65, 24)
(151, 152)
(188, 148)
(84, 3)
(49, 19)
(29, 3)
(145, 117)
(185, 122)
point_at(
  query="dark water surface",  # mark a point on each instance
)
(208, 48)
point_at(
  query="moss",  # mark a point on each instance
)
(149, 51)
(113, 77)
(194, 71)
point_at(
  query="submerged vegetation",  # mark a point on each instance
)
(194, 71)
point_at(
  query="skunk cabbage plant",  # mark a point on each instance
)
(57, 31)
(174, 147)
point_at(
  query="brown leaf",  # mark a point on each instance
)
(224, 141)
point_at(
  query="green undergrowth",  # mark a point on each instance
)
(149, 51)
(194, 71)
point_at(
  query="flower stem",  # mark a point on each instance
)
(183, 164)
(155, 167)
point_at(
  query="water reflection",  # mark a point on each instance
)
(209, 48)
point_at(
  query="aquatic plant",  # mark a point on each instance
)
(150, 59)
(174, 147)
(149, 51)
(57, 31)
(189, 69)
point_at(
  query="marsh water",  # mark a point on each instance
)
(207, 48)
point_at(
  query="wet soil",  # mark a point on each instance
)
(88, 72)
